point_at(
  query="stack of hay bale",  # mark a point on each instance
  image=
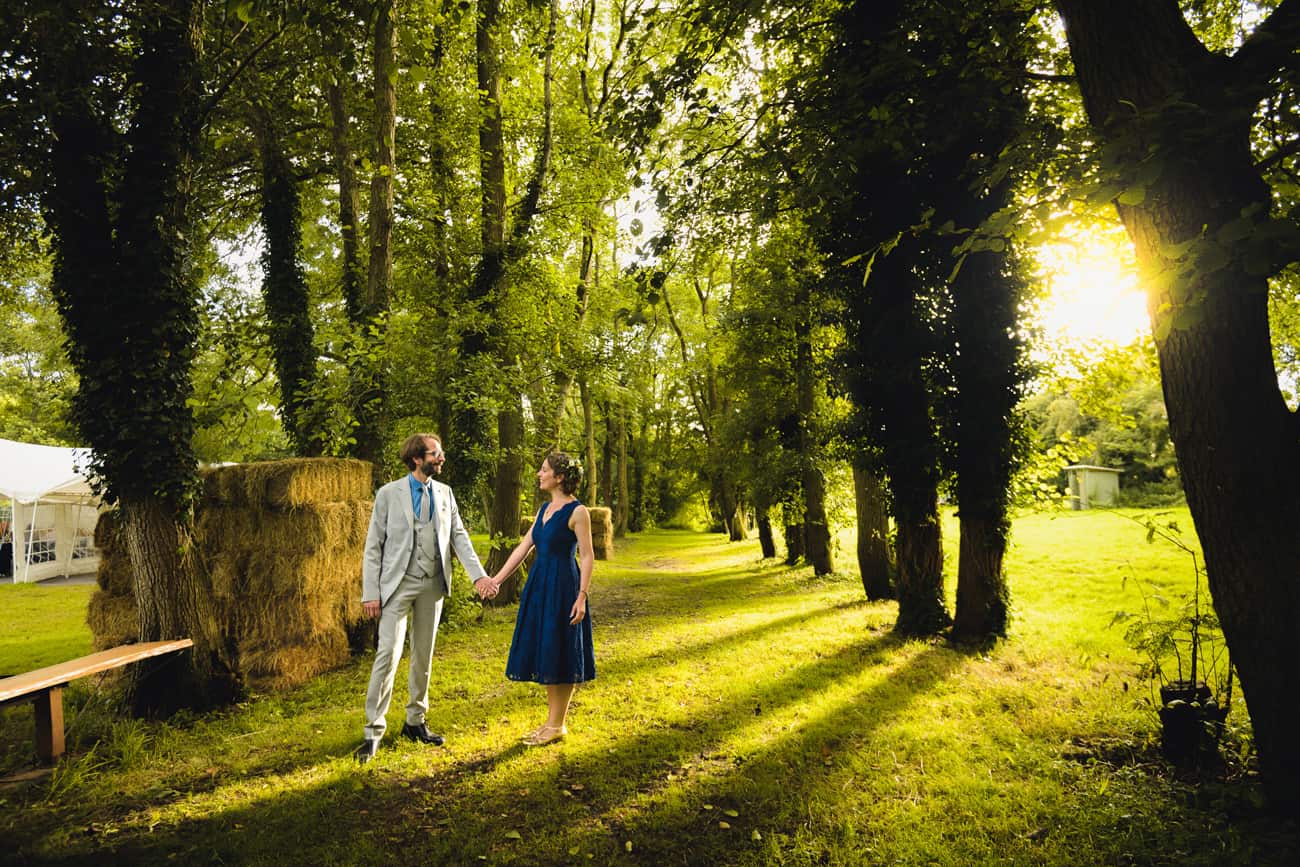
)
(282, 542)
(602, 531)
(111, 616)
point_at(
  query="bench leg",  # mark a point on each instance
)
(49, 724)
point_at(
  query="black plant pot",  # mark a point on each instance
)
(1191, 722)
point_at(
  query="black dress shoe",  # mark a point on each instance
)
(421, 733)
(367, 750)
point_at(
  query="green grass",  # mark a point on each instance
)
(744, 713)
(40, 626)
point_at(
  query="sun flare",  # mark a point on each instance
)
(1092, 288)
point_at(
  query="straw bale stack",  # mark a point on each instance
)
(112, 619)
(282, 543)
(602, 531)
(289, 483)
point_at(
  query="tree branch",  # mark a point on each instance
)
(1270, 48)
(217, 94)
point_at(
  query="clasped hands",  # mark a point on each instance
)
(487, 588)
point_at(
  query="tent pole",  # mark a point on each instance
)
(27, 545)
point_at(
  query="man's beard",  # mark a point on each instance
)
(429, 469)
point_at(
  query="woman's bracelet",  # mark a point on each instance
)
(585, 593)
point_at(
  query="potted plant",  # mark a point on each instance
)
(1184, 653)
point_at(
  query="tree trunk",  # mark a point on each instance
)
(351, 280)
(988, 387)
(284, 284)
(503, 521)
(921, 609)
(623, 509)
(982, 595)
(173, 599)
(1236, 440)
(900, 345)
(817, 536)
(589, 436)
(607, 460)
(371, 431)
(793, 544)
(873, 534)
(117, 207)
(765, 541)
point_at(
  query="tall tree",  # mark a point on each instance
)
(117, 207)
(1175, 122)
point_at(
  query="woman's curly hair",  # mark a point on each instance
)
(568, 468)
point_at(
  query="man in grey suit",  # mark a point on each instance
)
(406, 573)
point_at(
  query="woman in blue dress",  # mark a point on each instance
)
(552, 641)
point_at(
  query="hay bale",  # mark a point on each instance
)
(107, 529)
(112, 619)
(289, 483)
(272, 621)
(289, 665)
(229, 574)
(114, 573)
(300, 530)
(329, 573)
(602, 531)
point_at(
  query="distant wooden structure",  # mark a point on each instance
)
(1092, 486)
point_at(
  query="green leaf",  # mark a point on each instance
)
(514, 835)
(1133, 196)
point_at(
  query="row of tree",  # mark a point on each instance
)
(715, 248)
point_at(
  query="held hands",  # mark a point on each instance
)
(487, 587)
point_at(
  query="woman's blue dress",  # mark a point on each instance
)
(546, 649)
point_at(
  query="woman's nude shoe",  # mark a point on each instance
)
(545, 735)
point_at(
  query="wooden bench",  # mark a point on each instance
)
(44, 686)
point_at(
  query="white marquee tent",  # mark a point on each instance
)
(47, 511)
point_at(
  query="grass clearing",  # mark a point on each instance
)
(743, 713)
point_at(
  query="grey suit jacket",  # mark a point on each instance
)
(391, 538)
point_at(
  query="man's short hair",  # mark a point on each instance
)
(413, 448)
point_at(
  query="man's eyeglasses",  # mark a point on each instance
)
(437, 453)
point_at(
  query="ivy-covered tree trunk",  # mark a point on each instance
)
(988, 387)
(116, 206)
(910, 444)
(873, 534)
(284, 284)
(1177, 121)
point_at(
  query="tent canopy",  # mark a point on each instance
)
(46, 474)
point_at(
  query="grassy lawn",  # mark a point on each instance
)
(40, 626)
(744, 713)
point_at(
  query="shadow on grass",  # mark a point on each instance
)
(470, 808)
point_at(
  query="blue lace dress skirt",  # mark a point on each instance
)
(545, 648)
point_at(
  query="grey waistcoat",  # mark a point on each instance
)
(426, 560)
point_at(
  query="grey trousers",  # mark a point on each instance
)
(420, 601)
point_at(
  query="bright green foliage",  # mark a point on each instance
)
(1105, 401)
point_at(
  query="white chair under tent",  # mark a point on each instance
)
(47, 513)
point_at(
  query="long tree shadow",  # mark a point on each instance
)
(458, 813)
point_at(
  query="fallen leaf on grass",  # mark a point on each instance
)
(725, 826)
(514, 835)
